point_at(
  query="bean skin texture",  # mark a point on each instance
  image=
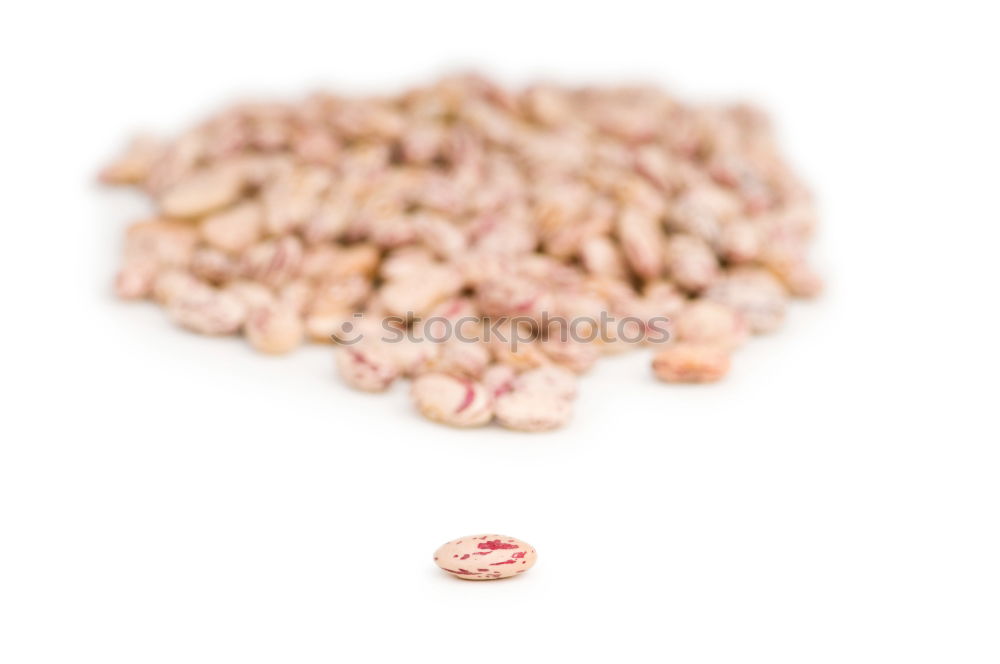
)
(485, 557)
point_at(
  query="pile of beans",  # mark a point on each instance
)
(465, 206)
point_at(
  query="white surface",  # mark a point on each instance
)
(169, 498)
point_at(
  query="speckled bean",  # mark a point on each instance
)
(691, 363)
(485, 557)
(206, 310)
(367, 367)
(453, 400)
(274, 329)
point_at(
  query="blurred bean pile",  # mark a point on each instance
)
(464, 202)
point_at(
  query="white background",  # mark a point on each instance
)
(170, 498)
